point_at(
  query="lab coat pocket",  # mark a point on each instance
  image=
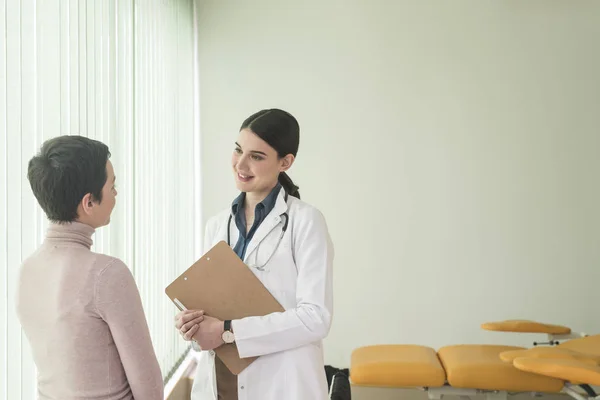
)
(205, 380)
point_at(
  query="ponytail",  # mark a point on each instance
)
(288, 185)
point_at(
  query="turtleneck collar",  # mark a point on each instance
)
(72, 232)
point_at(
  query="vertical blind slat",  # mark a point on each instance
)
(13, 185)
(28, 144)
(3, 206)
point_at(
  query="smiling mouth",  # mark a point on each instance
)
(244, 178)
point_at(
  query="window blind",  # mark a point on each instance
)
(123, 72)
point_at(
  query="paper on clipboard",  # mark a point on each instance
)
(224, 287)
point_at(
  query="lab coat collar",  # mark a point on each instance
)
(270, 222)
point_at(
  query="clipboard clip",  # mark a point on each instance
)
(179, 304)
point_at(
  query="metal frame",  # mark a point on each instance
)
(591, 394)
(437, 393)
(554, 339)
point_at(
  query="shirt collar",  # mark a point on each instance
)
(268, 203)
(238, 203)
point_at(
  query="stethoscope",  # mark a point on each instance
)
(283, 229)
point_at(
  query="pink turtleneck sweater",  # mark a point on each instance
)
(83, 317)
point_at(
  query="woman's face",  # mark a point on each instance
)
(97, 214)
(256, 165)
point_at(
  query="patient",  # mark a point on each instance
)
(81, 311)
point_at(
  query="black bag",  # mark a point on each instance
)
(338, 382)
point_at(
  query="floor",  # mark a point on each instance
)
(183, 388)
(362, 393)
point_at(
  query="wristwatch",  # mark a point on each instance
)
(228, 336)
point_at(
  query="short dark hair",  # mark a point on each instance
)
(64, 171)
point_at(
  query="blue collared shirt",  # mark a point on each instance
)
(261, 211)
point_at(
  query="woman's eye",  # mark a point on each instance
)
(238, 150)
(258, 158)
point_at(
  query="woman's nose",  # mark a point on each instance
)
(242, 162)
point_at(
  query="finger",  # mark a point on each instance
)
(184, 333)
(187, 317)
(179, 324)
(190, 334)
(191, 316)
(182, 313)
(187, 326)
(179, 316)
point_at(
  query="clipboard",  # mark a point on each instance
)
(222, 285)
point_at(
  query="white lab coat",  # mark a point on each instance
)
(299, 275)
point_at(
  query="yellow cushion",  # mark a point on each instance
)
(525, 326)
(569, 370)
(550, 352)
(480, 367)
(589, 345)
(396, 366)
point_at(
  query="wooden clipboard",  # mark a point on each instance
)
(224, 287)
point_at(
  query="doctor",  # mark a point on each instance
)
(286, 244)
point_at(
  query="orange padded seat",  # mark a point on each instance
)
(570, 370)
(396, 366)
(525, 326)
(589, 345)
(480, 367)
(551, 352)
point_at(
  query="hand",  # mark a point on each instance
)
(209, 334)
(187, 322)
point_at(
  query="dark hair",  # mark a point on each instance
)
(64, 171)
(281, 131)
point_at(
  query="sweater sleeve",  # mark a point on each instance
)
(118, 302)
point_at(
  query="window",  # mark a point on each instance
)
(123, 73)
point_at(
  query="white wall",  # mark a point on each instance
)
(123, 73)
(453, 147)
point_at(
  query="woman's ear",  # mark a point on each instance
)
(286, 162)
(87, 203)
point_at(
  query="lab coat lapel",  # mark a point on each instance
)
(234, 232)
(270, 222)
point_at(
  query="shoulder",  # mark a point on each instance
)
(114, 281)
(218, 219)
(303, 208)
(309, 228)
(214, 227)
(306, 215)
(33, 259)
(110, 268)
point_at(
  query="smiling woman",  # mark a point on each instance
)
(260, 136)
(286, 243)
